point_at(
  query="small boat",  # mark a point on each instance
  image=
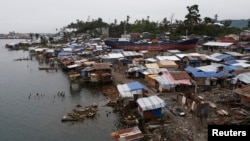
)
(68, 118)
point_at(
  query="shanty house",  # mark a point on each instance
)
(130, 92)
(244, 94)
(151, 107)
(170, 65)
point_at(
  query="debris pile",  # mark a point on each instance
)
(80, 113)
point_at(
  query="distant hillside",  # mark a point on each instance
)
(239, 23)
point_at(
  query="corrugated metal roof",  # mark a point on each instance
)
(129, 89)
(131, 53)
(180, 75)
(172, 58)
(244, 77)
(165, 82)
(150, 103)
(124, 91)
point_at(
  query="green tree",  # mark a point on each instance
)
(193, 16)
(248, 25)
(227, 23)
(207, 20)
(31, 35)
(37, 35)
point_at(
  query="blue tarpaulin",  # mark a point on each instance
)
(247, 48)
(223, 56)
(62, 53)
(204, 74)
(230, 62)
(232, 68)
(136, 86)
(191, 69)
(157, 112)
(83, 73)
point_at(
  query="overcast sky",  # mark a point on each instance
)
(45, 16)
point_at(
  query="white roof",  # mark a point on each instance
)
(210, 68)
(150, 103)
(242, 64)
(40, 49)
(214, 57)
(125, 91)
(131, 53)
(72, 66)
(115, 55)
(50, 50)
(218, 44)
(188, 54)
(67, 49)
(174, 51)
(244, 77)
(151, 60)
(171, 58)
(98, 47)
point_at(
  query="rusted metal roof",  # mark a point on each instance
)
(236, 72)
(101, 66)
(180, 75)
(166, 63)
(245, 91)
(128, 134)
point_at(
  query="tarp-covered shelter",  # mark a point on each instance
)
(151, 107)
(131, 91)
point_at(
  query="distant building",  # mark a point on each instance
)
(245, 35)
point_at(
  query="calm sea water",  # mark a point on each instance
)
(38, 118)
